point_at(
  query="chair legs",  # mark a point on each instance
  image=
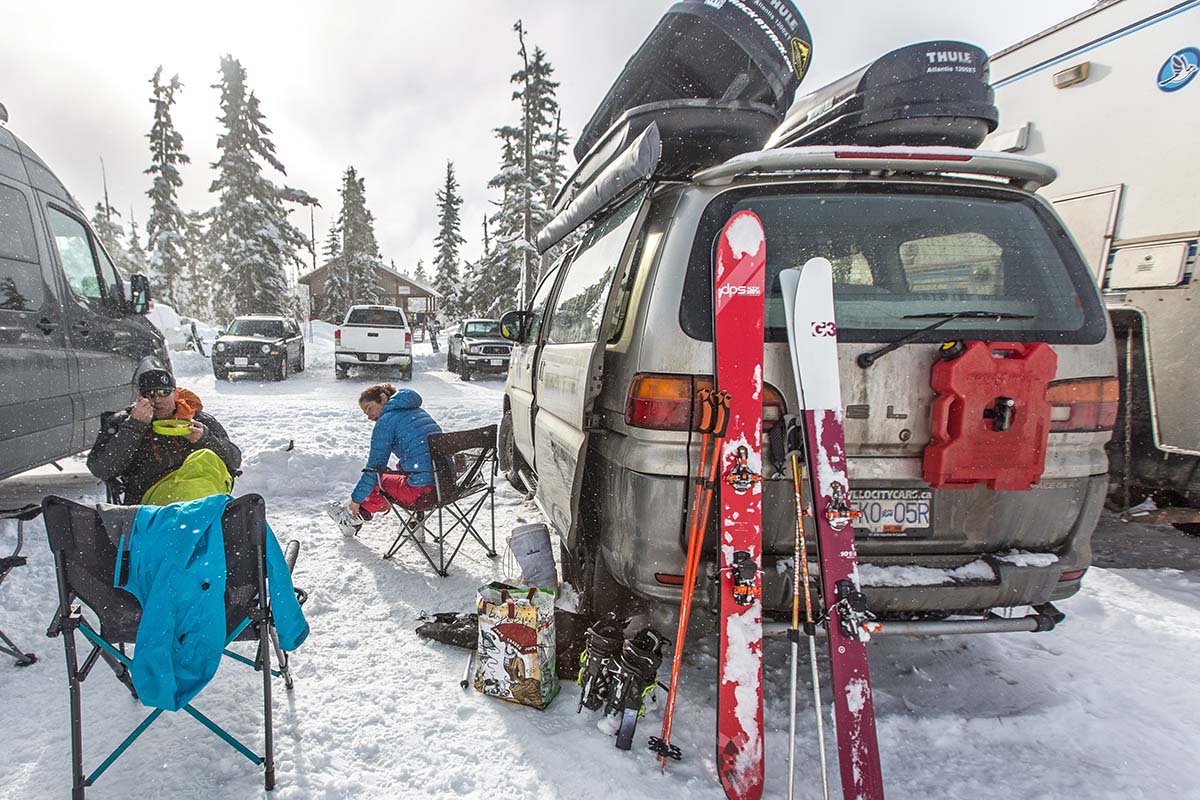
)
(420, 522)
(9, 647)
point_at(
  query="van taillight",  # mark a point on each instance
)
(1086, 404)
(337, 336)
(668, 402)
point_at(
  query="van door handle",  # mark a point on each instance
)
(83, 328)
(46, 325)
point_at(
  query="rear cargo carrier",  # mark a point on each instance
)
(751, 50)
(932, 93)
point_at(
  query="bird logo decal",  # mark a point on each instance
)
(1179, 70)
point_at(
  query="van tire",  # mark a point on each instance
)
(510, 459)
(586, 570)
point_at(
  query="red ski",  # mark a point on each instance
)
(738, 292)
(812, 333)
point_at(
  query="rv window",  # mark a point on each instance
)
(75, 252)
(584, 291)
(900, 254)
(21, 287)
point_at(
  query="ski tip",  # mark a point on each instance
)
(818, 265)
(744, 235)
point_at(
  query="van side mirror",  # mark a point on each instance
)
(139, 293)
(514, 325)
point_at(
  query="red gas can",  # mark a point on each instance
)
(991, 419)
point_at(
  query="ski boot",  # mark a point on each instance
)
(338, 512)
(631, 678)
(603, 646)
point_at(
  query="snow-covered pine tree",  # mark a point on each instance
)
(165, 230)
(339, 291)
(195, 288)
(449, 239)
(419, 273)
(530, 173)
(253, 238)
(135, 255)
(360, 249)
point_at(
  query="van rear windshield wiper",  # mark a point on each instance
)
(867, 359)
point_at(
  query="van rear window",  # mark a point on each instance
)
(378, 317)
(900, 256)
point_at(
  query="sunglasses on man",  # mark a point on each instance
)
(149, 393)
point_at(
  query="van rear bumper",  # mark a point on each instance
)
(643, 547)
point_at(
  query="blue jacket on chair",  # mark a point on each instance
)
(176, 570)
(403, 428)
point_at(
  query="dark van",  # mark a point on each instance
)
(72, 334)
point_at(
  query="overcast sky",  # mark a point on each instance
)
(392, 88)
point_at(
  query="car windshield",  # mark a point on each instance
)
(490, 327)
(902, 255)
(261, 328)
(380, 317)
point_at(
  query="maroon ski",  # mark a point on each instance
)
(812, 333)
(738, 292)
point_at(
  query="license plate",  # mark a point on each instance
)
(241, 362)
(496, 362)
(372, 357)
(894, 511)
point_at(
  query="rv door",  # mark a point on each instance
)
(571, 360)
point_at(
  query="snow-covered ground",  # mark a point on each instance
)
(1103, 707)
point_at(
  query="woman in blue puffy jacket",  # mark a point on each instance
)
(402, 428)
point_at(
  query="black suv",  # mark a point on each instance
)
(271, 346)
(477, 347)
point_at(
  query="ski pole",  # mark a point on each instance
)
(714, 409)
(466, 678)
(800, 574)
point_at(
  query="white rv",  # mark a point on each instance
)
(1111, 97)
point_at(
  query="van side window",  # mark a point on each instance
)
(75, 250)
(108, 276)
(21, 286)
(538, 306)
(585, 288)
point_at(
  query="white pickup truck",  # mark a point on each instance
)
(373, 336)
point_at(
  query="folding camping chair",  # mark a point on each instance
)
(21, 515)
(85, 559)
(464, 478)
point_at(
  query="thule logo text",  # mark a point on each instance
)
(949, 57)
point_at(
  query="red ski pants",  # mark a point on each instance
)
(397, 487)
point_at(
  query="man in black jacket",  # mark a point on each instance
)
(128, 448)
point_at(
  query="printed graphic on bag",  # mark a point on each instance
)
(516, 645)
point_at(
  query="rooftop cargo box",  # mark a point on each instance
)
(928, 94)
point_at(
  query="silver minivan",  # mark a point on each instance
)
(598, 409)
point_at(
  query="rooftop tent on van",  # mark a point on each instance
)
(750, 50)
(931, 93)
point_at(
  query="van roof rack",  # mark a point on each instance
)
(926, 94)
(694, 134)
(635, 165)
(1027, 173)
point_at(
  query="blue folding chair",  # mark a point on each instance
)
(85, 557)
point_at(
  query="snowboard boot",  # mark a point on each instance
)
(632, 677)
(338, 512)
(602, 646)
